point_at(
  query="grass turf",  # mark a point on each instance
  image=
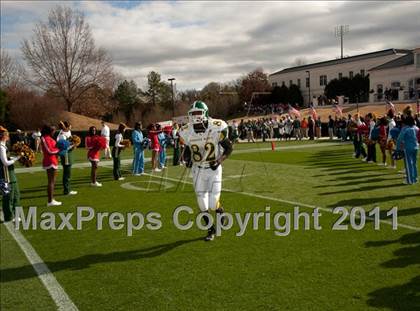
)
(175, 270)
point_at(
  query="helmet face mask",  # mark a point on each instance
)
(199, 113)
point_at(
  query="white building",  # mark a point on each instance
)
(398, 79)
(313, 78)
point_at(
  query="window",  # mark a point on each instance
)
(307, 82)
(323, 80)
(340, 75)
(395, 84)
(274, 84)
(380, 88)
(298, 82)
(418, 81)
(282, 83)
(362, 72)
(290, 82)
(351, 74)
(418, 60)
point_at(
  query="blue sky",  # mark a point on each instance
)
(202, 41)
(125, 4)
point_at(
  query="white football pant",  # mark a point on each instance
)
(207, 186)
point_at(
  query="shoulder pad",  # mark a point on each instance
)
(218, 124)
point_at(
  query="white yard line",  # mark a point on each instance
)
(57, 293)
(254, 195)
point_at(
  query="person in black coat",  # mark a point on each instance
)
(311, 125)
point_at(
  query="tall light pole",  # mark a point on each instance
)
(340, 31)
(309, 86)
(173, 100)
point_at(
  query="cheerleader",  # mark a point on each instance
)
(7, 175)
(138, 161)
(154, 141)
(162, 147)
(93, 155)
(390, 141)
(371, 146)
(67, 157)
(50, 161)
(408, 141)
(116, 150)
(383, 139)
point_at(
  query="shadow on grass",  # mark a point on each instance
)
(84, 262)
(365, 201)
(357, 182)
(366, 188)
(349, 172)
(345, 178)
(405, 296)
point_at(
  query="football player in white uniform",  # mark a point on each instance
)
(209, 145)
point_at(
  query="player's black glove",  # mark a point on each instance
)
(214, 165)
(187, 157)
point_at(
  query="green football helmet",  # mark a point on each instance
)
(198, 113)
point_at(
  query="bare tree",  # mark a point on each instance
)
(63, 56)
(10, 72)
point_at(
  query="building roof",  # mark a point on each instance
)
(405, 60)
(343, 60)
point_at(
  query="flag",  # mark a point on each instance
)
(313, 112)
(337, 109)
(391, 106)
(293, 111)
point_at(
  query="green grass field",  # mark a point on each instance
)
(169, 269)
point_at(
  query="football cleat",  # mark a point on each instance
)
(210, 235)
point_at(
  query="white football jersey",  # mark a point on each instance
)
(205, 146)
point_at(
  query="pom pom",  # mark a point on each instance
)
(364, 129)
(398, 155)
(27, 155)
(99, 142)
(64, 146)
(390, 145)
(75, 140)
(126, 143)
(17, 147)
(146, 143)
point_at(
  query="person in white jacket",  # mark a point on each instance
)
(11, 199)
(106, 132)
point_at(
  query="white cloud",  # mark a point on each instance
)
(199, 42)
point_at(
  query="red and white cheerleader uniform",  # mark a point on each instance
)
(93, 151)
(50, 151)
(154, 141)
